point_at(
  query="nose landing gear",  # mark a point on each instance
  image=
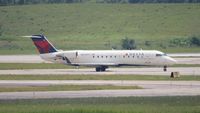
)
(165, 68)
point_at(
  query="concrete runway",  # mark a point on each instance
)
(181, 58)
(21, 59)
(193, 71)
(151, 88)
(184, 54)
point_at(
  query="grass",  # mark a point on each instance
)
(7, 66)
(186, 65)
(98, 77)
(185, 104)
(63, 88)
(98, 26)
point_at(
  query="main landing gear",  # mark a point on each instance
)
(101, 68)
(165, 68)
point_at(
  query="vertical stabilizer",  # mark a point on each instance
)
(42, 44)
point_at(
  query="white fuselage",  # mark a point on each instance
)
(110, 58)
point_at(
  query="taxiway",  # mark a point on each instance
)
(193, 71)
(151, 88)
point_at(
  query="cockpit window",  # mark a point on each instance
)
(158, 55)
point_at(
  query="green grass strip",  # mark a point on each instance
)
(63, 88)
(97, 77)
(185, 104)
(100, 26)
(7, 66)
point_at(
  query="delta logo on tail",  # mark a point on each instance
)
(42, 44)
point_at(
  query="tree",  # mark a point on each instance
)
(1, 30)
(128, 44)
(195, 40)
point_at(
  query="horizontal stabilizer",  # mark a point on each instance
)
(31, 36)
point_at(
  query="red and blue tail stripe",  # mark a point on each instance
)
(42, 44)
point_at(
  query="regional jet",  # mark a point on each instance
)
(101, 59)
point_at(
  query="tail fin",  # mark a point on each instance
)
(42, 44)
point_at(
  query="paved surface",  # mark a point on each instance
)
(152, 88)
(191, 58)
(184, 54)
(188, 60)
(195, 71)
(21, 59)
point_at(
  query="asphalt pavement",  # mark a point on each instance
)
(151, 88)
(192, 71)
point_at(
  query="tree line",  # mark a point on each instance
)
(22, 2)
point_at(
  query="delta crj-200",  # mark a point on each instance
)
(101, 59)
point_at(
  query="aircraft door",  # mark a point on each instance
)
(148, 59)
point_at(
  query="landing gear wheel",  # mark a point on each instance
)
(101, 69)
(98, 69)
(165, 68)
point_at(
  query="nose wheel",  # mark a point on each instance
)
(165, 68)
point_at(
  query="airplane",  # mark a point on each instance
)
(101, 59)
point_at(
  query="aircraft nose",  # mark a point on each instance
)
(171, 61)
